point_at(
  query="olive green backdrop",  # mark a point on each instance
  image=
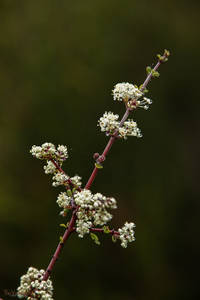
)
(59, 61)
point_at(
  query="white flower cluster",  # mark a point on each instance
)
(129, 128)
(130, 94)
(109, 123)
(126, 234)
(49, 168)
(63, 200)
(49, 151)
(92, 210)
(76, 180)
(60, 179)
(126, 91)
(32, 286)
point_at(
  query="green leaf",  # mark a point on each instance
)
(145, 91)
(95, 238)
(148, 69)
(155, 73)
(166, 52)
(63, 225)
(73, 190)
(61, 239)
(98, 166)
(114, 239)
(164, 57)
(106, 229)
(69, 193)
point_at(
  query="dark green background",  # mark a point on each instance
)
(59, 61)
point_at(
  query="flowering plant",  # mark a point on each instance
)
(86, 212)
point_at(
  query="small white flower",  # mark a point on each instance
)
(108, 122)
(63, 200)
(36, 151)
(33, 286)
(129, 128)
(76, 180)
(62, 152)
(60, 179)
(49, 168)
(126, 91)
(49, 151)
(83, 227)
(110, 125)
(92, 210)
(126, 234)
(144, 103)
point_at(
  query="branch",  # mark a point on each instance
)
(99, 160)
(112, 232)
(102, 157)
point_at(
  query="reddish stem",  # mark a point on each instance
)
(113, 232)
(66, 235)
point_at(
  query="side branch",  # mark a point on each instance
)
(112, 232)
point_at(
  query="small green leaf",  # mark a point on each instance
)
(63, 225)
(164, 57)
(61, 239)
(73, 190)
(148, 69)
(114, 239)
(166, 53)
(95, 238)
(145, 91)
(106, 229)
(98, 166)
(155, 73)
(69, 193)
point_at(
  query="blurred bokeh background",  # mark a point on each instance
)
(59, 61)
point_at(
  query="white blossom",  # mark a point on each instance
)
(144, 103)
(83, 227)
(92, 210)
(110, 125)
(126, 234)
(49, 151)
(62, 152)
(49, 168)
(130, 94)
(125, 91)
(32, 286)
(60, 179)
(63, 200)
(76, 180)
(129, 128)
(108, 122)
